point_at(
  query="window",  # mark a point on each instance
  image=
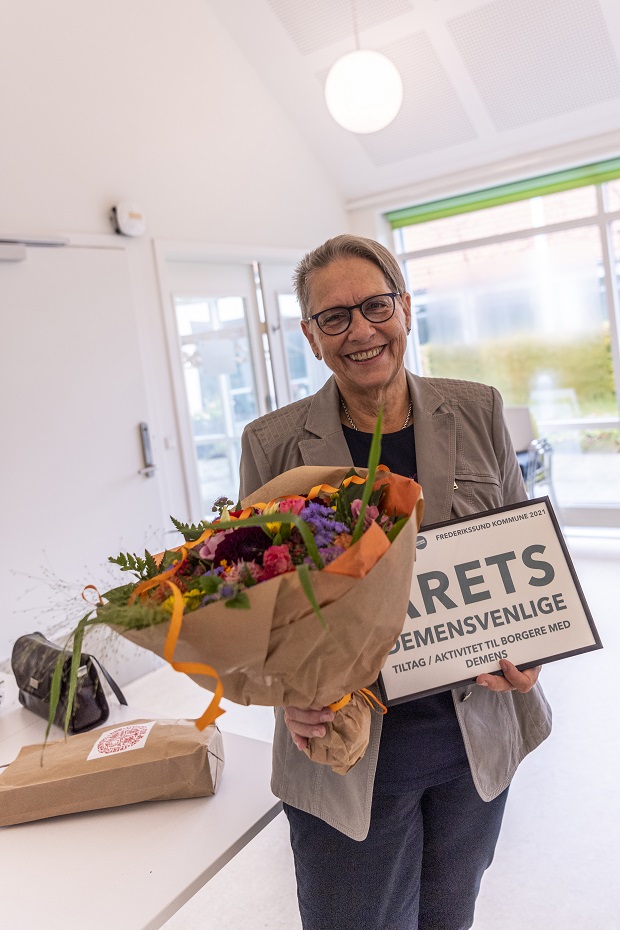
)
(524, 295)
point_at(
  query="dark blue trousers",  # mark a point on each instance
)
(419, 868)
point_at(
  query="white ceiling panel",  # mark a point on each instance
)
(535, 59)
(315, 24)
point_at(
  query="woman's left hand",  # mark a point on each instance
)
(513, 679)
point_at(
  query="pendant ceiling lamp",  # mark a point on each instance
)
(364, 89)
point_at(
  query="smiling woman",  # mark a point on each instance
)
(402, 840)
(365, 349)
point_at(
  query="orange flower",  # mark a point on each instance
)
(343, 540)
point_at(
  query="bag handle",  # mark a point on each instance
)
(115, 688)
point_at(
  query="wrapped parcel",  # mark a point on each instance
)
(141, 760)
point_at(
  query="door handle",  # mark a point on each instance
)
(147, 452)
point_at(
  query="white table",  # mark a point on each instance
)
(133, 867)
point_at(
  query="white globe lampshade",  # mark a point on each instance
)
(363, 91)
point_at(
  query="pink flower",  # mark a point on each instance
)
(369, 517)
(293, 505)
(207, 550)
(246, 572)
(277, 561)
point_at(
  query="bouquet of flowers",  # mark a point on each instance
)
(294, 596)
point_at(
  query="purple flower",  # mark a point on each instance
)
(329, 553)
(322, 523)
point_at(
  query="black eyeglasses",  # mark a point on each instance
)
(337, 320)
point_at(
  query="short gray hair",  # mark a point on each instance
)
(345, 246)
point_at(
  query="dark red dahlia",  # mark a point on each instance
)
(246, 544)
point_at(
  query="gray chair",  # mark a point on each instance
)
(534, 453)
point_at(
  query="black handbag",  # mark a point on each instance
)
(33, 662)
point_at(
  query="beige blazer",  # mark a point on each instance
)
(466, 464)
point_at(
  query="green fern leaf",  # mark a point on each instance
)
(152, 568)
(190, 531)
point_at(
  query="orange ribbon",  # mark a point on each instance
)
(214, 710)
(352, 479)
(91, 587)
(373, 702)
(328, 489)
(338, 705)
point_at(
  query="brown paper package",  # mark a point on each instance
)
(177, 761)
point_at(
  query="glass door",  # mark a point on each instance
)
(296, 372)
(221, 372)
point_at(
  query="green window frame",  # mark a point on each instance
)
(583, 176)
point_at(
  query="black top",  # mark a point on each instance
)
(421, 743)
(397, 450)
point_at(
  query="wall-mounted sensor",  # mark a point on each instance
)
(128, 219)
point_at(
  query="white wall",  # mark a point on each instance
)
(151, 101)
(148, 101)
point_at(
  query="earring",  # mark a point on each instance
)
(316, 355)
(409, 330)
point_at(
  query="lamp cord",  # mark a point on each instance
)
(355, 29)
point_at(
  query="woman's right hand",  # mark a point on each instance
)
(303, 724)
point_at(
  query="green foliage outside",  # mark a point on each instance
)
(514, 366)
(600, 440)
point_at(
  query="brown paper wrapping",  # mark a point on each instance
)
(177, 761)
(346, 737)
(278, 653)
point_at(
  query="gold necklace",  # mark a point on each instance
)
(353, 426)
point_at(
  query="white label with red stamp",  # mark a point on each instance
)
(121, 739)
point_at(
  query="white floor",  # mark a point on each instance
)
(557, 865)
